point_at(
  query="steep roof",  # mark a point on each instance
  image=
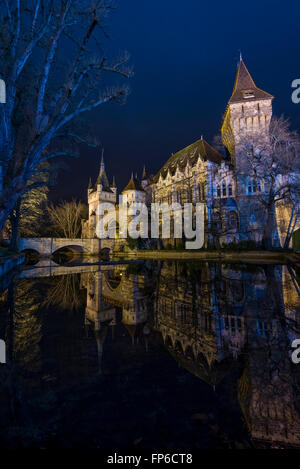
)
(190, 154)
(134, 185)
(102, 177)
(245, 88)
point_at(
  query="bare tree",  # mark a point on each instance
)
(52, 60)
(66, 218)
(272, 162)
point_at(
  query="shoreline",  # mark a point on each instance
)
(246, 256)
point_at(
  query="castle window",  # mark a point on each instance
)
(253, 187)
(233, 220)
(218, 191)
(230, 190)
(248, 94)
(224, 190)
(258, 186)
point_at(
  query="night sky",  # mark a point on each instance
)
(184, 56)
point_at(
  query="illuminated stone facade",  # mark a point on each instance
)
(199, 173)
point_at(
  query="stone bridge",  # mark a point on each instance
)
(48, 246)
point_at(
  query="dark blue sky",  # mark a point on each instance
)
(184, 56)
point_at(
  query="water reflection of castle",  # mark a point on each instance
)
(211, 318)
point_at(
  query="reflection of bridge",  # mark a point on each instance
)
(49, 268)
(48, 246)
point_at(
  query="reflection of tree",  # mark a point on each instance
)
(267, 391)
(27, 327)
(65, 292)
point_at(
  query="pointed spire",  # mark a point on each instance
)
(114, 182)
(102, 178)
(102, 165)
(241, 57)
(244, 86)
(144, 175)
(131, 175)
(90, 184)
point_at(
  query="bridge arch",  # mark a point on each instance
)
(72, 247)
(48, 246)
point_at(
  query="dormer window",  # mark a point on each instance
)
(248, 94)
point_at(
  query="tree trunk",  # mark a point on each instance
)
(15, 220)
(267, 240)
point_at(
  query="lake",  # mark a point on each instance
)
(146, 356)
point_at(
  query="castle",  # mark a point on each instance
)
(199, 173)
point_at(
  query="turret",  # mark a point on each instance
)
(113, 186)
(134, 191)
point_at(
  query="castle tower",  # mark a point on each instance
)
(100, 192)
(249, 110)
(133, 192)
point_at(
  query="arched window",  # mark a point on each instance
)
(233, 220)
(230, 190)
(258, 186)
(224, 189)
(218, 191)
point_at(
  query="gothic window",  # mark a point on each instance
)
(224, 190)
(218, 191)
(258, 186)
(254, 187)
(233, 220)
(230, 190)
